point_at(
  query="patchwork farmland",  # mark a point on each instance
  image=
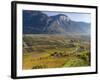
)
(55, 51)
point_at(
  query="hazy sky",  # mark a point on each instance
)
(81, 17)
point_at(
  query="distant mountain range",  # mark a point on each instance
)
(36, 22)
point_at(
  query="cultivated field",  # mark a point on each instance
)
(55, 51)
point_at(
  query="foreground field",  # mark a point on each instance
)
(53, 51)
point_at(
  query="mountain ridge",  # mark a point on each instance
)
(36, 22)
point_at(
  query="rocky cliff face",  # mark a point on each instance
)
(36, 22)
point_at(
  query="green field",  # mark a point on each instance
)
(55, 51)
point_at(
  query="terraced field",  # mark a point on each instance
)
(55, 51)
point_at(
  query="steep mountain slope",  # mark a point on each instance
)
(33, 22)
(36, 22)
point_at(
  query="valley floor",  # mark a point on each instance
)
(55, 51)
